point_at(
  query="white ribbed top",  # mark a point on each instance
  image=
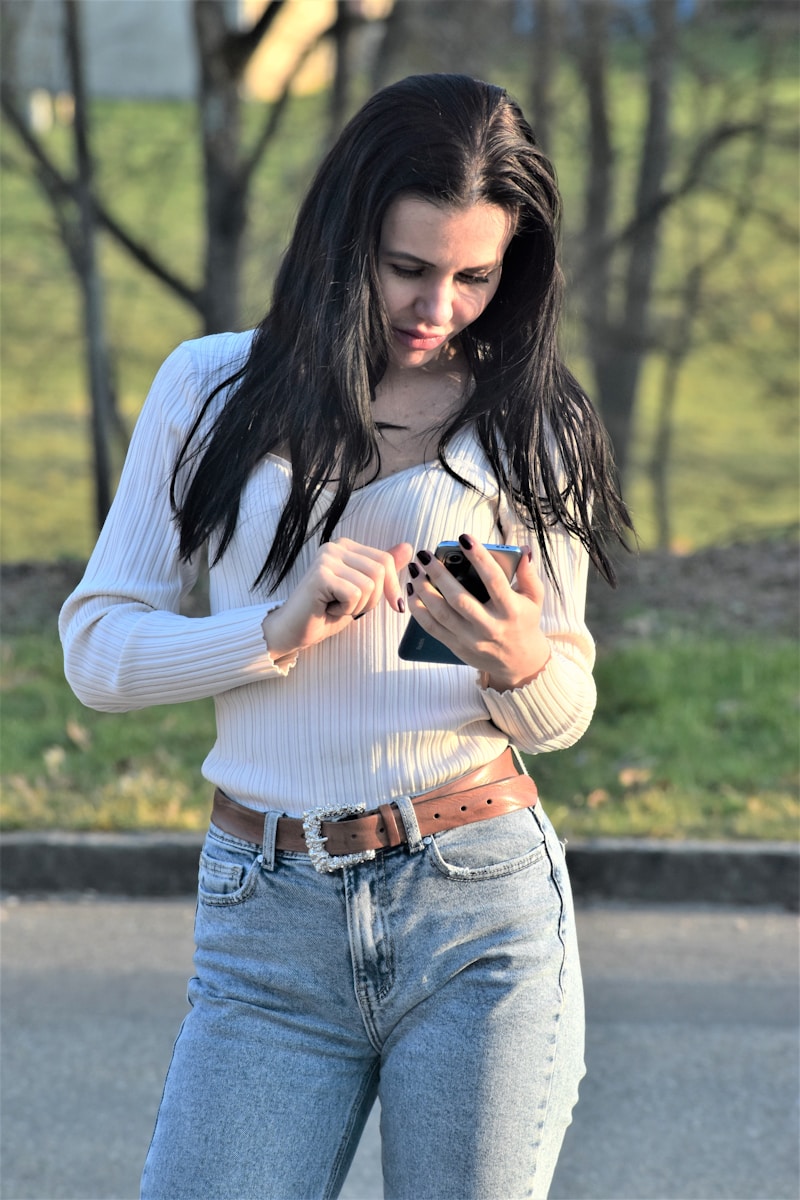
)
(349, 721)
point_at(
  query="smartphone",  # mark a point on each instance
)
(416, 644)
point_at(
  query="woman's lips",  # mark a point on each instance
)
(414, 339)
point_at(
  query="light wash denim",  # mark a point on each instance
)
(442, 977)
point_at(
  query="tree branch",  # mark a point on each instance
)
(140, 253)
(667, 197)
(239, 47)
(593, 58)
(56, 183)
(270, 127)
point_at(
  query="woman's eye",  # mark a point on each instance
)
(416, 273)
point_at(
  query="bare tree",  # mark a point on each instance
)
(76, 220)
(617, 265)
(593, 63)
(447, 35)
(548, 16)
(83, 253)
(229, 166)
(615, 253)
(229, 163)
(688, 326)
(618, 334)
(350, 18)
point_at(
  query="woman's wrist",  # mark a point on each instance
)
(273, 640)
(507, 681)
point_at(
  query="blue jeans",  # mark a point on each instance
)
(442, 977)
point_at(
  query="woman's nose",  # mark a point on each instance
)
(435, 304)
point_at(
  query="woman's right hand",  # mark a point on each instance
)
(345, 581)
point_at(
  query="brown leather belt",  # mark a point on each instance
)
(356, 835)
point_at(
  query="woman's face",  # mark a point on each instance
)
(438, 269)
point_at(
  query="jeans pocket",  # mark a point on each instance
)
(229, 870)
(489, 849)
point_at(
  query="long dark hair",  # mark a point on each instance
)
(323, 346)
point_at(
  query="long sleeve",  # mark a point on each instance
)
(125, 644)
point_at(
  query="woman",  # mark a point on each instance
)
(404, 388)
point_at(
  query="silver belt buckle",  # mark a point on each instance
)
(315, 842)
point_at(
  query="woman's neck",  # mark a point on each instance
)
(412, 406)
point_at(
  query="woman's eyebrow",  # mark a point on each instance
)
(421, 262)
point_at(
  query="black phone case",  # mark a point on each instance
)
(417, 645)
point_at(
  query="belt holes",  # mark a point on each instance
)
(436, 816)
(463, 808)
(488, 802)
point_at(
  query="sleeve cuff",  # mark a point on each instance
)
(551, 712)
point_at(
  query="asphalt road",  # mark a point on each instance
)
(692, 1090)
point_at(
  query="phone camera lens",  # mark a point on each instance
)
(453, 559)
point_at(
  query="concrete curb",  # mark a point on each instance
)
(634, 870)
(649, 870)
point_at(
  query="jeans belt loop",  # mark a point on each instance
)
(409, 818)
(270, 835)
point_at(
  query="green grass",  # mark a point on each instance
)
(66, 767)
(691, 739)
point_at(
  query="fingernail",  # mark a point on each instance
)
(358, 616)
(413, 570)
(526, 550)
(466, 542)
(424, 557)
(409, 589)
(401, 605)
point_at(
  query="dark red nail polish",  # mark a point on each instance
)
(401, 605)
(424, 557)
(409, 589)
(413, 570)
(466, 542)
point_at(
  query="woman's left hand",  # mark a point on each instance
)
(501, 638)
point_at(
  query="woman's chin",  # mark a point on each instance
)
(403, 357)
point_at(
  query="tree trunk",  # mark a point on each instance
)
(548, 16)
(225, 189)
(593, 64)
(662, 448)
(618, 376)
(98, 365)
(396, 30)
(348, 20)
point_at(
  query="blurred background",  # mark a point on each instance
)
(153, 156)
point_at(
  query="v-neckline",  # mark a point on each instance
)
(427, 465)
